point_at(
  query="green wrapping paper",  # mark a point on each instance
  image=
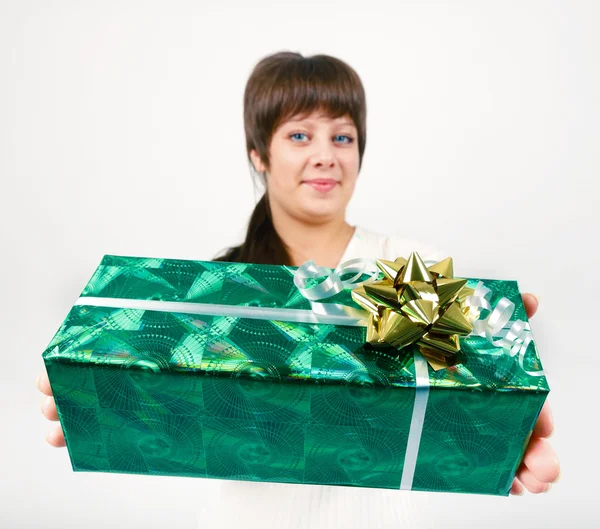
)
(171, 392)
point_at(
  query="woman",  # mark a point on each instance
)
(305, 124)
(308, 173)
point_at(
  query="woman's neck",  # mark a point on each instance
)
(324, 243)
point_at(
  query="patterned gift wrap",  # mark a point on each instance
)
(182, 394)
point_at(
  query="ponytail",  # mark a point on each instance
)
(262, 245)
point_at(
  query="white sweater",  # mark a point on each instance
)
(366, 243)
(226, 504)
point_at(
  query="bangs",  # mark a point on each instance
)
(286, 84)
(314, 84)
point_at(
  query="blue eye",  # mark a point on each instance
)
(297, 134)
(349, 138)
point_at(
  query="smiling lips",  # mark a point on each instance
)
(322, 184)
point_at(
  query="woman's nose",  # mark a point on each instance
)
(324, 154)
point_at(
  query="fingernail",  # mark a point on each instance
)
(37, 381)
(536, 298)
(549, 487)
(521, 493)
(558, 478)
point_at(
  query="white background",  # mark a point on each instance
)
(121, 133)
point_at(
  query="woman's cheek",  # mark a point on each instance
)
(279, 185)
(349, 189)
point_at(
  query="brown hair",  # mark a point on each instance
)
(281, 86)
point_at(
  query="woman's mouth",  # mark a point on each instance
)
(322, 184)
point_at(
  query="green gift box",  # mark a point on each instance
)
(223, 370)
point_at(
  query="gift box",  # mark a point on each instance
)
(297, 375)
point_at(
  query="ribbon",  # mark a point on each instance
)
(416, 304)
(305, 280)
(378, 300)
(213, 309)
(416, 423)
(515, 336)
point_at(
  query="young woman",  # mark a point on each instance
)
(305, 124)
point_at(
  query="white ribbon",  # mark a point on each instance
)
(514, 336)
(416, 422)
(212, 309)
(333, 282)
(331, 285)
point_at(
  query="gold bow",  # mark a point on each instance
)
(416, 304)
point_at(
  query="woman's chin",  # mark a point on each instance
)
(322, 213)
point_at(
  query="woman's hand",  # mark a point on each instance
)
(540, 467)
(55, 437)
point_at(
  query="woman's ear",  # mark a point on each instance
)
(258, 165)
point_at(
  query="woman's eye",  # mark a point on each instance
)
(297, 134)
(349, 139)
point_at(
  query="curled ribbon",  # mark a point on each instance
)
(335, 313)
(333, 282)
(514, 336)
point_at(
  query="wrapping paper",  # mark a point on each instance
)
(217, 396)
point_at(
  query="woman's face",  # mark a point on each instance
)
(314, 166)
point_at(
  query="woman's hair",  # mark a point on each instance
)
(281, 86)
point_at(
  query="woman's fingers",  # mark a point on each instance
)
(48, 407)
(544, 426)
(56, 438)
(530, 301)
(539, 469)
(531, 483)
(541, 461)
(43, 384)
(517, 488)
